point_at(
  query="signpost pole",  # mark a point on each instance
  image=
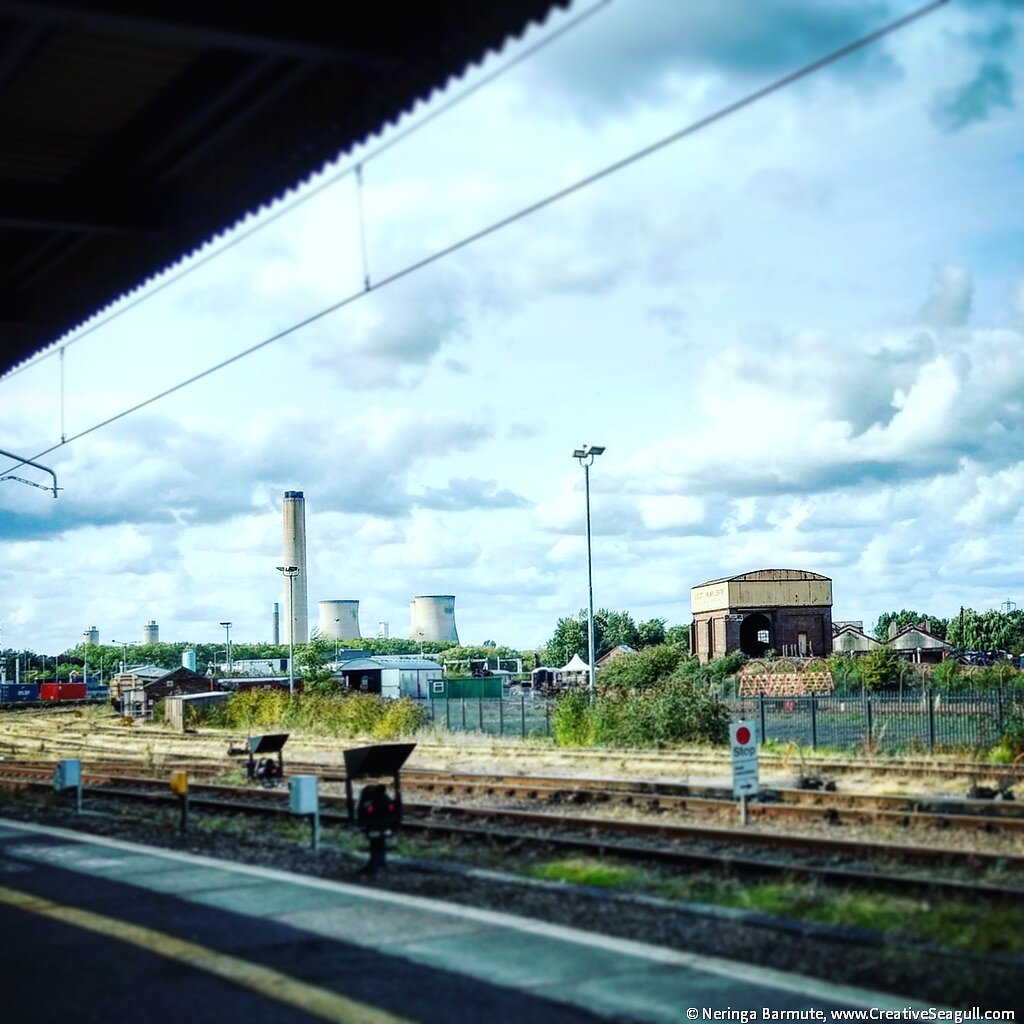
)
(743, 747)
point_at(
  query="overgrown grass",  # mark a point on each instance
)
(974, 927)
(580, 871)
(345, 715)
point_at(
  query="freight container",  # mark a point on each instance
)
(62, 691)
(18, 693)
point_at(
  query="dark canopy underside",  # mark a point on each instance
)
(134, 131)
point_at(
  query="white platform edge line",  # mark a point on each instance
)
(769, 977)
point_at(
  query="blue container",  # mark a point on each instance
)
(14, 693)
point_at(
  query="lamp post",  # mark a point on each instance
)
(290, 571)
(85, 659)
(586, 454)
(124, 645)
(227, 644)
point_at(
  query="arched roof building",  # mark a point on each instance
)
(788, 611)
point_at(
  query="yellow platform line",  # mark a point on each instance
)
(315, 1001)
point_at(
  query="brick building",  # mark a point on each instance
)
(788, 611)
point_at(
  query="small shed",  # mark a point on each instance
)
(392, 676)
(176, 707)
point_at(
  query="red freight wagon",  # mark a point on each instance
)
(62, 691)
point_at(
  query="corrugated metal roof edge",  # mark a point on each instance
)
(282, 194)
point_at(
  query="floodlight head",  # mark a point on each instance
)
(595, 449)
(288, 570)
(579, 454)
(226, 623)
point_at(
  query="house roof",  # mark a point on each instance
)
(134, 133)
(769, 576)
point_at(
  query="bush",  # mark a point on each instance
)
(401, 718)
(570, 719)
(347, 714)
(643, 669)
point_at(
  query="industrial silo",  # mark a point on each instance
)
(339, 620)
(296, 613)
(188, 660)
(433, 618)
(92, 637)
(151, 632)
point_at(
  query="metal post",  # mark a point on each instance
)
(814, 721)
(867, 701)
(743, 809)
(316, 829)
(522, 715)
(480, 708)
(590, 592)
(501, 716)
(463, 702)
(931, 720)
(448, 712)
(761, 718)
(291, 635)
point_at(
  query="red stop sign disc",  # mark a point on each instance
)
(743, 735)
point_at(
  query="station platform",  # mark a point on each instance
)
(100, 929)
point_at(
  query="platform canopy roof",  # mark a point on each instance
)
(134, 131)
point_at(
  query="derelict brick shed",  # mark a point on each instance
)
(788, 611)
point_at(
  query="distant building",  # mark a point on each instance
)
(788, 611)
(850, 638)
(616, 652)
(392, 675)
(917, 644)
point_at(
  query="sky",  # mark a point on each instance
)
(798, 332)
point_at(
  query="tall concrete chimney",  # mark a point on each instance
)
(277, 623)
(296, 616)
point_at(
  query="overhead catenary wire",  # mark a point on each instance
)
(148, 291)
(495, 226)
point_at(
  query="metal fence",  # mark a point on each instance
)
(886, 721)
(523, 715)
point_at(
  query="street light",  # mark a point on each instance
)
(586, 454)
(227, 644)
(124, 645)
(290, 571)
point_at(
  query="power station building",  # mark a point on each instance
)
(788, 611)
(432, 617)
(339, 620)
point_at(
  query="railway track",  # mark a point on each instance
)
(848, 862)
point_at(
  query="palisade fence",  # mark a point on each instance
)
(523, 715)
(885, 721)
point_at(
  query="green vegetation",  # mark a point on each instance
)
(580, 871)
(976, 927)
(653, 697)
(347, 715)
(969, 630)
(611, 629)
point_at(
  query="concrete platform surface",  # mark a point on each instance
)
(162, 935)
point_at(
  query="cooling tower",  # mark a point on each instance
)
(188, 660)
(339, 620)
(296, 614)
(277, 624)
(383, 630)
(151, 632)
(92, 637)
(433, 618)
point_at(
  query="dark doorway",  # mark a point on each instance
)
(755, 635)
